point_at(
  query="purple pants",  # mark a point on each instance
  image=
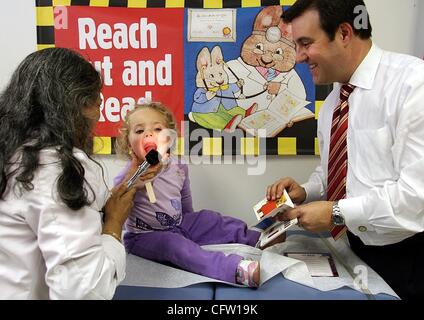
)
(181, 245)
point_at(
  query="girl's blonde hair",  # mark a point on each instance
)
(122, 143)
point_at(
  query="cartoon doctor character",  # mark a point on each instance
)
(266, 62)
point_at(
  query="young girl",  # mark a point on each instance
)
(169, 231)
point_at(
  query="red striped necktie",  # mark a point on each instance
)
(337, 159)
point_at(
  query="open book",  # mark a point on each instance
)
(285, 109)
(265, 210)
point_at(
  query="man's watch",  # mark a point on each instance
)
(336, 215)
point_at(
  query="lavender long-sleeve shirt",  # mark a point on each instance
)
(172, 190)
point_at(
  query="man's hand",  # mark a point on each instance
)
(314, 216)
(295, 191)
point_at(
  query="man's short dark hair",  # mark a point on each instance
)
(332, 14)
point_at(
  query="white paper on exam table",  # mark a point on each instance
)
(142, 272)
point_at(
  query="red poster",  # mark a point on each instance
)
(138, 51)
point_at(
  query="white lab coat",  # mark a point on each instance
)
(254, 83)
(48, 251)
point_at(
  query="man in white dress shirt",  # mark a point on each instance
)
(383, 208)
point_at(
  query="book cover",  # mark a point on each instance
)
(265, 210)
(273, 231)
(320, 264)
(268, 209)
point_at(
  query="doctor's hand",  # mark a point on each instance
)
(314, 216)
(117, 209)
(273, 88)
(295, 191)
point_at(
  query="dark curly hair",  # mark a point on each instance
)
(42, 107)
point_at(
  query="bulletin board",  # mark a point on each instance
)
(194, 57)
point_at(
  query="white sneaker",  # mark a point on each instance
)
(248, 273)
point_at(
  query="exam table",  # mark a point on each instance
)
(276, 288)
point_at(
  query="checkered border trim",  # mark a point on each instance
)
(215, 145)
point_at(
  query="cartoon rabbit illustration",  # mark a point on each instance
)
(266, 62)
(215, 105)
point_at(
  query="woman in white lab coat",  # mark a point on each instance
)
(53, 242)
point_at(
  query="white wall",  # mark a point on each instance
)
(228, 188)
(394, 23)
(419, 36)
(398, 26)
(18, 36)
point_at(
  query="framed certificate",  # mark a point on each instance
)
(209, 25)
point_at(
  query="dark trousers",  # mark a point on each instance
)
(401, 264)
